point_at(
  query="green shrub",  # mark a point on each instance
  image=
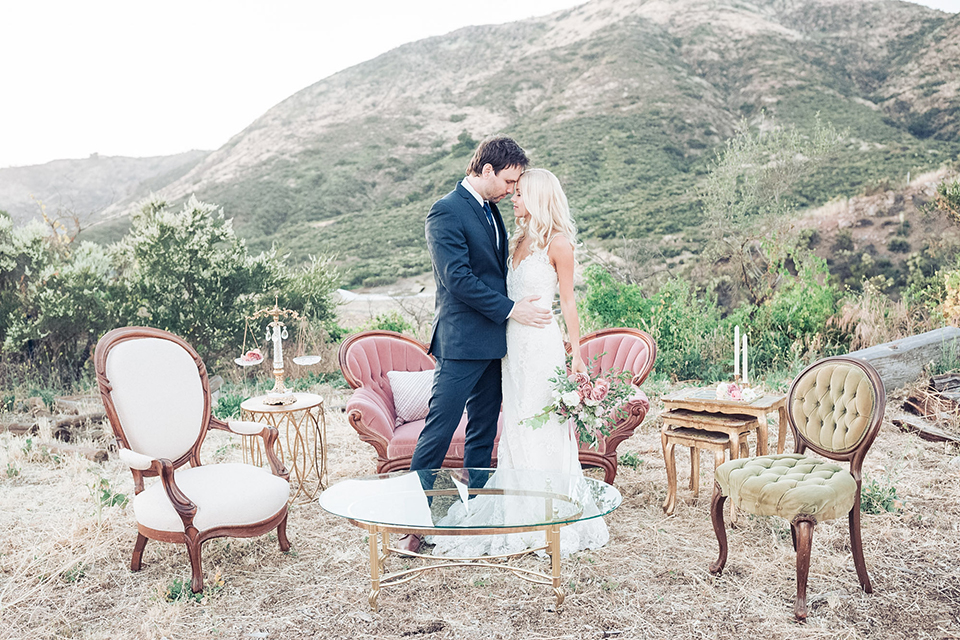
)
(898, 245)
(390, 321)
(794, 321)
(879, 498)
(228, 406)
(683, 324)
(183, 271)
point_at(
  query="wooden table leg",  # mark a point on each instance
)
(695, 470)
(734, 444)
(668, 458)
(762, 435)
(553, 544)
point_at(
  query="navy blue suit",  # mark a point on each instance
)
(469, 328)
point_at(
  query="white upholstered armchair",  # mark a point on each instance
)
(157, 397)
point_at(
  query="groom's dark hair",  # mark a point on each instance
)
(499, 152)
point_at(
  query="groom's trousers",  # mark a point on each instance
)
(459, 384)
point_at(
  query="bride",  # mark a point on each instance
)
(541, 261)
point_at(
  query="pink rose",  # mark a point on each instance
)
(735, 392)
(600, 389)
(583, 385)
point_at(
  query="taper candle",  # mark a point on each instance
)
(745, 380)
(736, 351)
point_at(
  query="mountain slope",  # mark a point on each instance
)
(88, 186)
(626, 100)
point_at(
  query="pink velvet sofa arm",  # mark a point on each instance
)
(373, 417)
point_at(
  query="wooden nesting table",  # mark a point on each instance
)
(704, 400)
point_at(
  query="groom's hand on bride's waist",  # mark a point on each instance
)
(525, 312)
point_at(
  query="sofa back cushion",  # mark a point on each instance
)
(367, 357)
(621, 352)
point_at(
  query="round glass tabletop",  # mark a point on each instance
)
(470, 499)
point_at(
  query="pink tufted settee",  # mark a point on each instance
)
(366, 358)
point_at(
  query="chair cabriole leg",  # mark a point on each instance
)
(193, 550)
(138, 552)
(716, 515)
(282, 535)
(856, 545)
(804, 527)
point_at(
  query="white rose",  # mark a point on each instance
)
(571, 398)
(590, 402)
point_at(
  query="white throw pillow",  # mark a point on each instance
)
(411, 394)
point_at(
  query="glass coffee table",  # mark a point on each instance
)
(405, 502)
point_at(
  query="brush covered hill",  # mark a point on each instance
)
(87, 186)
(626, 100)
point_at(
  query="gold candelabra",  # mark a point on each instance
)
(276, 333)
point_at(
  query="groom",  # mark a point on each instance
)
(467, 241)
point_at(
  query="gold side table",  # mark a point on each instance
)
(302, 442)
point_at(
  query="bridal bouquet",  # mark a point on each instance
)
(592, 402)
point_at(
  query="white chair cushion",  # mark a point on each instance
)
(158, 396)
(411, 394)
(225, 494)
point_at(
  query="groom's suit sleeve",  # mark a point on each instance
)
(450, 253)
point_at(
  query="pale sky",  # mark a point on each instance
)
(145, 78)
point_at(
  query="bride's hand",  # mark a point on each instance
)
(577, 365)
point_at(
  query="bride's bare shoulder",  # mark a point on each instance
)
(559, 247)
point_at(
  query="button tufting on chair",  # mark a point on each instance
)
(805, 489)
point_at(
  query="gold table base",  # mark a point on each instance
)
(302, 442)
(380, 550)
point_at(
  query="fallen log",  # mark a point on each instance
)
(90, 453)
(19, 428)
(926, 431)
(902, 361)
(63, 429)
(75, 405)
(946, 382)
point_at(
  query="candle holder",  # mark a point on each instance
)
(276, 332)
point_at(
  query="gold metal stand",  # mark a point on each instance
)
(380, 536)
(301, 445)
(380, 549)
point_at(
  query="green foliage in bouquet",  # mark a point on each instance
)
(592, 401)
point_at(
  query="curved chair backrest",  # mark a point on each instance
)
(623, 349)
(155, 391)
(366, 357)
(835, 407)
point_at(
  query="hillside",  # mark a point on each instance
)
(626, 100)
(86, 187)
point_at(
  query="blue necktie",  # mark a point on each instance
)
(493, 225)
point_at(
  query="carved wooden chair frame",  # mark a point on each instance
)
(147, 467)
(801, 528)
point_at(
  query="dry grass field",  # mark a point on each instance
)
(64, 560)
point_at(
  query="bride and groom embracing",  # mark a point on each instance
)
(495, 338)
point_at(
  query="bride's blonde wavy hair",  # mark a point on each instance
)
(549, 212)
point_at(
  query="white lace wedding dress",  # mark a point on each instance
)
(533, 355)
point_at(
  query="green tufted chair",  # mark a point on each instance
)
(834, 407)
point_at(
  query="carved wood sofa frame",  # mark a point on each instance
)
(635, 350)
